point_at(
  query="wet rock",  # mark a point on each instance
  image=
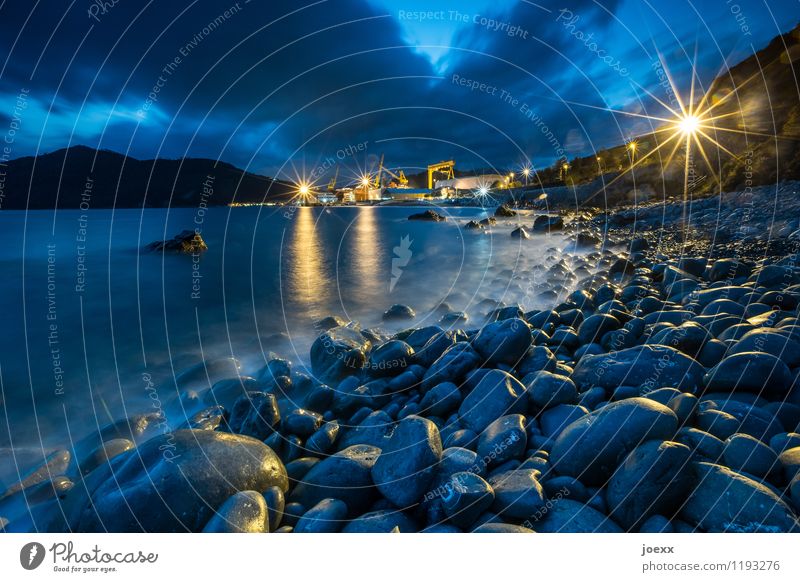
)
(345, 476)
(518, 494)
(406, 464)
(466, 497)
(520, 232)
(390, 359)
(243, 512)
(503, 342)
(497, 394)
(503, 439)
(338, 353)
(382, 521)
(726, 501)
(590, 448)
(504, 211)
(749, 372)
(399, 312)
(56, 463)
(255, 414)
(548, 390)
(102, 454)
(744, 453)
(568, 516)
(428, 215)
(595, 327)
(176, 481)
(187, 241)
(653, 479)
(441, 400)
(649, 365)
(324, 439)
(452, 366)
(773, 342)
(327, 516)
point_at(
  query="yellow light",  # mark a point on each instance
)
(632, 146)
(511, 175)
(565, 167)
(365, 181)
(304, 189)
(689, 124)
(526, 171)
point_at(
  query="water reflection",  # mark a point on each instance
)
(308, 283)
(362, 260)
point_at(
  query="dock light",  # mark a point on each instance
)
(365, 181)
(632, 146)
(483, 190)
(304, 190)
(527, 172)
(689, 124)
(565, 167)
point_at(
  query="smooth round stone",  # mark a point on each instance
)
(338, 353)
(653, 479)
(503, 440)
(433, 349)
(592, 397)
(243, 512)
(298, 468)
(736, 332)
(749, 372)
(498, 393)
(462, 438)
(554, 420)
(548, 390)
(589, 448)
(456, 460)
(390, 359)
(596, 326)
(753, 420)
(745, 453)
(458, 360)
(345, 476)
(255, 414)
(770, 342)
(291, 514)
(503, 342)
(712, 353)
(568, 516)
(537, 358)
(718, 423)
(373, 431)
(723, 306)
(726, 501)
(787, 413)
(790, 461)
(779, 300)
(518, 493)
(684, 406)
(794, 490)
(327, 516)
(382, 521)
(728, 269)
(227, 391)
(784, 441)
(701, 442)
(466, 497)
(657, 524)
(320, 398)
(398, 312)
(302, 423)
(688, 337)
(323, 440)
(501, 528)
(175, 481)
(102, 454)
(441, 529)
(647, 365)
(276, 502)
(406, 465)
(559, 487)
(661, 395)
(441, 400)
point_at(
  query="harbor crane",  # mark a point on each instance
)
(448, 167)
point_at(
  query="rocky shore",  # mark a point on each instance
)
(661, 396)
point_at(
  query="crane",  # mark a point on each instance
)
(400, 177)
(447, 167)
(332, 183)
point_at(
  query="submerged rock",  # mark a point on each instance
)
(187, 241)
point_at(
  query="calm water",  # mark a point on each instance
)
(86, 313)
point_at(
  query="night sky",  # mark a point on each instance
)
(279, 87)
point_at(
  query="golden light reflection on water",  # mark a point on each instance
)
(359, 259)
(308, 281)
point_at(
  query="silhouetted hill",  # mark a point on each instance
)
(125, 182)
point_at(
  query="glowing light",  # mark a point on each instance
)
(565, 167)
(632, 146)
(365, 181)
(527, 172)
(689, 125)
(483, 190)
(303, 189)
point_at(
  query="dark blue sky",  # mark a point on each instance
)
(280, 87)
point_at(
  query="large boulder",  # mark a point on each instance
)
(175, 482)
(452, 365)
(406, 465)
(750, 372)
(503, 342)
(243, 512)
(345, 476)
(653, 479)
(497, 394)
(568, 516)
(338, 353)
(726, 501)
(649, 366)
(591, 448)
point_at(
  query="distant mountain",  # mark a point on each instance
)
(106, 179)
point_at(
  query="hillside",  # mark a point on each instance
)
(114, 180)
